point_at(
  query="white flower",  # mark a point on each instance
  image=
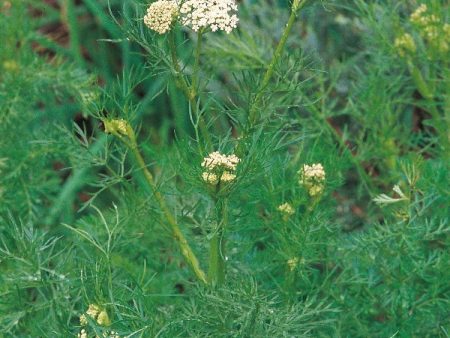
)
(312, 177)
(215, 14)
(210, 178)
(160, 15)
(216, 160)
(227, 176)
(219, 167)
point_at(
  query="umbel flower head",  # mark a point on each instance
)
(312, 177)
(160, 15)
(215, 14)
(219, 168)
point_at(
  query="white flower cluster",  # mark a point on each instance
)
(216, 159)
(160, 15)
(197, 14)
(216, 14)
(219, 167)
(312, 177)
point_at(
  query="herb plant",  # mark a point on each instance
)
(224, 168)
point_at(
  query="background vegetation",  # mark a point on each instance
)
(79, 225)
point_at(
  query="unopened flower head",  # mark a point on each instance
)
(292, 263)
(312, 177)
(219, 167)
(418, 17)
(215, 14)
(405, 45)
(161, 15)
(83, 320)
(431, 29)
(96, 313)
(117, 127)
(446, 30)
(93, 311)
(286, 210)
(103, 318)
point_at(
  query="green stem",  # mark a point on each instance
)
(186, 250)
(195, 76)
(190, 91)
(216, 273)
(254, 114)
(179, 78)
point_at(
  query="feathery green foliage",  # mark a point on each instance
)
(113, 222)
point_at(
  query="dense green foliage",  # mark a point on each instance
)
(82, 223)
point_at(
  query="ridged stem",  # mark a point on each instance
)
(216, 272)
(129, 139)
(253, 111)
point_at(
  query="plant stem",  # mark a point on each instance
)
(190, 91)
(216, 273)
(254, 114)
(427, 94)
(186, 250)
(195, 76)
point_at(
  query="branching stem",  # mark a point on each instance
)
(254, 114)
(190, 91)
(186, 250)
